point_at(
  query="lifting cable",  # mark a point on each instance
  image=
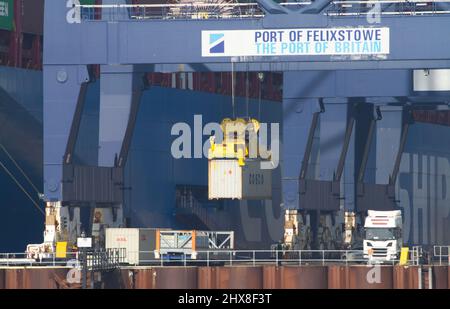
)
(261, 79)
(20, 169)
(247, 92)
(22, 188)
(232, 89)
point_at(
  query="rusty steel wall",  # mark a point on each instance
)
(208, 278)
(291, 277)
(14, 279)
(440, 277)
(273, 277)
(337, 278)
(165, 278)
(278, 277)
(2, 279)
(239, 277)
(119, 279)
(245, 277)
(364, 277)
(36, 278)
(360, 277)
(406, 277)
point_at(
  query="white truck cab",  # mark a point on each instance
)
(383, 236)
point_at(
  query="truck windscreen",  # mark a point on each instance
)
(380, 234)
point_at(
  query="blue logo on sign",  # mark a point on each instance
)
(217, 43)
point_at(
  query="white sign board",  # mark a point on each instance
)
(4, 10)
(296, 42)
(84, 242)
(432, 80)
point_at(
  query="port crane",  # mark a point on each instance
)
(344, 96)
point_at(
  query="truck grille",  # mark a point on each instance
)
(379, 252)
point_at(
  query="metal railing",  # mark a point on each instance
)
(416, 255)
(170, 11)
(106, 260)
(228, 257)
(203, 257)
(441, 254)
(98, 260)
(388, 8)
(198, 10)
(257, 257)
(45, 259)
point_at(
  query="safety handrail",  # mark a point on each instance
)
(441, 253)
(199, 10)
(204, 257)
(441, 256)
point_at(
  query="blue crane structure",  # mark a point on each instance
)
(350, 100)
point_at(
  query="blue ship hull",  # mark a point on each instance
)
(156, 183)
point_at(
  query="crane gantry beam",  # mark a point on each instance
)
(415, 41)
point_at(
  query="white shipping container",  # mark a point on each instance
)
(139, 244)
(228, 180)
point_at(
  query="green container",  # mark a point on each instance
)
(87, 2)
(7, 14)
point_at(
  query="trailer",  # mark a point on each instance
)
(194, 245)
